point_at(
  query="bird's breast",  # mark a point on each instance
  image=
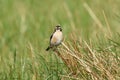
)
(57, 38)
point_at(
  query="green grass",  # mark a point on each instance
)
(91, 37)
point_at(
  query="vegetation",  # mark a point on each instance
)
(91, 46)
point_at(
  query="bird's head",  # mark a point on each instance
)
(58, 27)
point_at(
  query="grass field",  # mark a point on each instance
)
(91, 46)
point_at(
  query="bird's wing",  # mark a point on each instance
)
(51, 37)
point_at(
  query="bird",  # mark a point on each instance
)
(56, 38)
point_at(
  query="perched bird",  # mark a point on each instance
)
(56, 38)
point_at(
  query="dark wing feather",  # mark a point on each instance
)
(51, 37)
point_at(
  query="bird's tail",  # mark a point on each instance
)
(48, 48)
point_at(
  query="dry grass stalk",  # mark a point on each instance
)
(82, 62)
(93, 15)
(34, 63)
(107, 23)
(70, 61)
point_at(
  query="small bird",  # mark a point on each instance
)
(56, 38)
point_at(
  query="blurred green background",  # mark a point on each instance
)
(32, 21)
